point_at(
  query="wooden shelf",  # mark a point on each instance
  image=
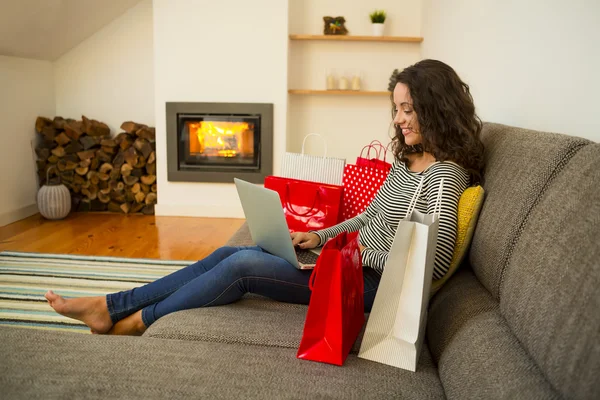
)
(337, 92)
(350, 38)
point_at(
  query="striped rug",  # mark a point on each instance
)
(25, 277)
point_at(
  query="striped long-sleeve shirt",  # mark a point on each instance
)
(377, 225)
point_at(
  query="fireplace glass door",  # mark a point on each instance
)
(219, 142)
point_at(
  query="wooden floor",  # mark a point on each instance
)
(105, 234)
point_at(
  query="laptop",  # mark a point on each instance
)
(268, 227)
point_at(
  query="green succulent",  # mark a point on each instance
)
(378, 16)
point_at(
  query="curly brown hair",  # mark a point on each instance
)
(449, 127)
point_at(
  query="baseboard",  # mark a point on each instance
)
(19, 214)
(215, 211)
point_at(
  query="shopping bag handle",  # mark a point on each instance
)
(291, 208)
(437, 209)
(315, 134)
(313, 276)
(413, 201)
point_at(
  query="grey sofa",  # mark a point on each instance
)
(519, 320)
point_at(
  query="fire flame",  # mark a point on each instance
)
(223, 138)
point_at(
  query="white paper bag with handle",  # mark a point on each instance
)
(321, 169)
(396, 325)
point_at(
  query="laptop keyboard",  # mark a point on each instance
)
(306, 256)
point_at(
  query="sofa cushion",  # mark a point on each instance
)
(43, 364)
(469, 206)
(477, 355)
(549, 292)
(253, 320)
(519, 163)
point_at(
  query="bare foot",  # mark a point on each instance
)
(131, 325)
(92, 311)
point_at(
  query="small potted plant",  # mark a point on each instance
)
(378, 21)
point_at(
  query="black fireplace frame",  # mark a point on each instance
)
(191, 174)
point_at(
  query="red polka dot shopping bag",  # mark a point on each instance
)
(362, 180)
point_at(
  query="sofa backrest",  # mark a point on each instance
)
(549, 287)
(519, 164)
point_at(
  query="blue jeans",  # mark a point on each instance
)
(222, 278)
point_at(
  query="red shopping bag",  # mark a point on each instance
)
(336, 310)
(378, 161)
(363, 180)
(307, 205)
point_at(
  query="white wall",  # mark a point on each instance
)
(225, 51)
(532, 64)
(348, 123)
(26, 92)
(110, 76)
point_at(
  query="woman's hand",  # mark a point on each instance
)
(305, 240)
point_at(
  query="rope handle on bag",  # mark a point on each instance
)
(378, 147)
(290, 207)
(315, 134)
(438, 201)
(413, 201)
(48, 174)
(313, 276)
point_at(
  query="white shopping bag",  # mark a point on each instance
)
(396, 326)
(313, 168)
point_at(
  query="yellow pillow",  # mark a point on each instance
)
(469, 205)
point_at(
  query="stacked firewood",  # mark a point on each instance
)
(102, 172)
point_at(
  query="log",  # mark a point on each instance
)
(137, 172)
(154, 188)
(42, 122)
(151, 169)
(42, 154)
(119, 138)
(141, 163)
(86, 184)
(103, 186)
(130, 180)
(73, 129)
(131, 156)
(152, 158)
(114, 207)
(118, 197)
(109, 150)
(137, 207)
(148, 210)
(53, 159)
(142, 146)
(78, 179)
(112, 184)
(115, 174)
(105, 168)
(148, 179)
(145, 188)
(82, 170)
(136, 188)
(108, 143)
(119, 160)
(90, 142)
(64, 165)
(146, 133)
(95, 163)
(59, 151)
(74, 147)
(125, 207)
(120, 187)
(151, 198)
(86, 155)
(103, 177)
(130, 197)
(91, 192)
(59, 123)
(139, 197)
(85, 163)
(130, 127)
(93, 177)
(49, 132)
(126, 170)
(126, 143)
(102, 156)
(71, 157)
(95, 128)
(104, 198)
(62, 139)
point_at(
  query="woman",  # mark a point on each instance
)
(437, 136)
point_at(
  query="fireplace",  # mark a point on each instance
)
(216, 142)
